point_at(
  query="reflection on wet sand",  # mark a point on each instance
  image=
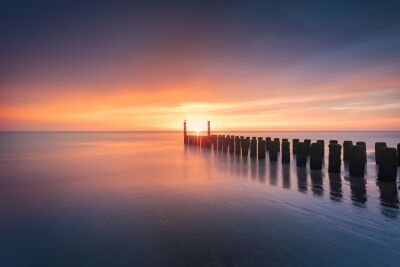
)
(389, 198)
(257, 169)
(316, 182)
(358, 190)
(335, 183)
(301, 179)
(286, 176)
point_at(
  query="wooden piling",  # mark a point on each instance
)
(253, 147)
(378, 147)
(347, 148)
(333, 141)
(356, 161)
(232, 144)
(301, 155)
(237, 145)
(387, 171)
(308, 146)
(315, 156)
(268, 142)
(321, 144)
(294, 145)
(363, 145)
(273, 153)
(245, 147)
(398, 154)
(285, 151)
(261, 148)
(277, 144)
(335, 151)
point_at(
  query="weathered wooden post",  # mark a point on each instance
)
(253, 147)
(333, 141)
(294, 145)
(219, 142)
(335, 151)
(261, 148)
(268, 142)
(364, 148)
(347, 148)
(356, 161)
(378, 147)
(315, 157)
(237, 145)
(285, 140)
(215, 142)
(273, 153)
(208, 129)
(277, 144)
(388, 164)
(285, 151)
(308, 146)
(321, 144)
(301, 155)
(232, 144)
(225, 144)
(245, 147)
(398, 154)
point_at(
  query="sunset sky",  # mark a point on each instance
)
(245, 65)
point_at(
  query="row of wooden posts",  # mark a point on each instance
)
(387, 158)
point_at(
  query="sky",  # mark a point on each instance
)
(244, 65)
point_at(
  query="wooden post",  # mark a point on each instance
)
(347, 148)
(387, 171)
(356, 161)
(237, 145)
(301, 155)
(261, 148)
(277, 144)
(294, 145)
(273, 153)
(364, 147)
(285, 151)
(208, 128)
(398, 154)
(335, 151)
(315, 157)
(378, 147)
(322, 147)
(253, 147)
(308, 146)
(185, 139)
(268, 142)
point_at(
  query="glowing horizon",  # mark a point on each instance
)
(261, 66)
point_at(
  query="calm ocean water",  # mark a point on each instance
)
(143, 199)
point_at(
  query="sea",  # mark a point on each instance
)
(146, 199)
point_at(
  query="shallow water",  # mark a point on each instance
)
(143, 199)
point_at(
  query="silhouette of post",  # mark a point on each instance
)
(378, 147)
(398, 154)
(315, 157)
(285, 151)
(308, 146)
(321, 144)
(273, 153)
(208, 129)
(253, 147)
(268, 143)
(277, 144)
(185, 139)
(364, 147)
(335, 151)
(294, 145)
(245, 147)
(356, 161)
(261, 148)
(301, 155)
(347, 148)
(333, 141)
(232, 144)
(388, 164)
(237, 145)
